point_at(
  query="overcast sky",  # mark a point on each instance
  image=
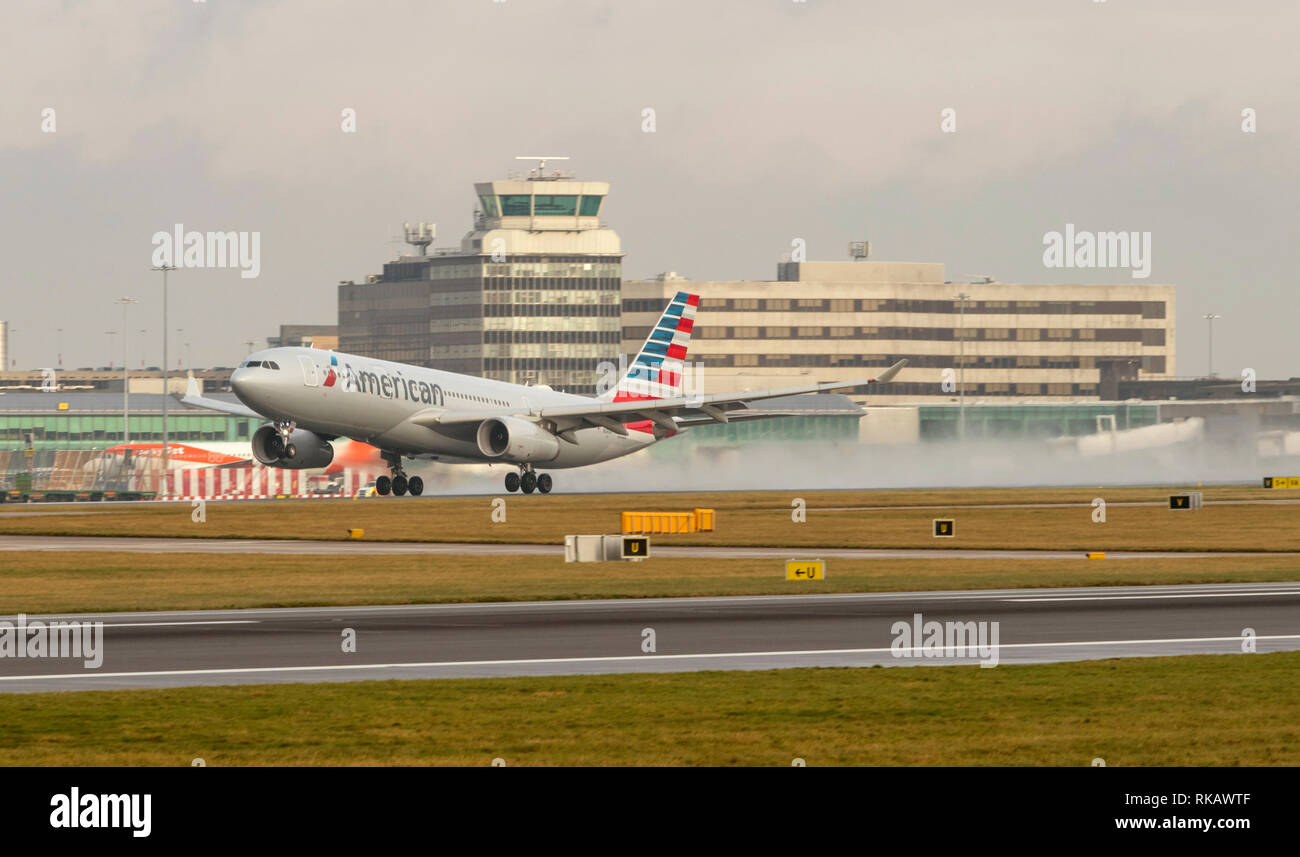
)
(774, 120)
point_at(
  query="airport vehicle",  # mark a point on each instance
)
(312, 397)
(367, 490)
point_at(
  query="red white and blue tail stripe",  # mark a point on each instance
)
(656, 372)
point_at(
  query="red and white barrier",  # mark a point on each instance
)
(250, 483)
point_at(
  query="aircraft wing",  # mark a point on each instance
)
(194, 398)
(691, 410)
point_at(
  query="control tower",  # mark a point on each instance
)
(533, 294)
(545, 211)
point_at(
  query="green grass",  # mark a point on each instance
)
(1195, 710)
(57, 581)
(743, 518)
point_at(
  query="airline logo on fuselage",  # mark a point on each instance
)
(388, 386)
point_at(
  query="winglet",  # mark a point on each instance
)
(889, 373)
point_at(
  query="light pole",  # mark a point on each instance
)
(60, 348)
(1209, 368)
(126, 382)
(164, 269)
(961, 299)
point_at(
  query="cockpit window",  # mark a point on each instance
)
(271, 364)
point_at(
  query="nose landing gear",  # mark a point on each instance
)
(528, 481)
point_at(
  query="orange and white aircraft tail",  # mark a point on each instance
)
(184, 456)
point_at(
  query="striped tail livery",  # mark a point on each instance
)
(657, 371)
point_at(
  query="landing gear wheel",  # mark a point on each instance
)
(415, 485)
(290, 451)
(544, 483)
(399, 485)
(528, 482)
(512, 482)
(383, 485)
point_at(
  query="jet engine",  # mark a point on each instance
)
(304, 451)
(517, 441)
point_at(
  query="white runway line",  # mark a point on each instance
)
(614, 658)
(1256, 594)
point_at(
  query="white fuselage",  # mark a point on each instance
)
(373, 400)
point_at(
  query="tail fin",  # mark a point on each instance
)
(656, 373)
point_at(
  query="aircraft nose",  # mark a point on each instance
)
(247, 384)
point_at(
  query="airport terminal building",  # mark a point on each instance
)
(829, 321)
(534, 294)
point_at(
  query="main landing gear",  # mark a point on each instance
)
(399, 483)
(528, 481)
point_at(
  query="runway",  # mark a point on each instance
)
(219, 647)
(319, 547)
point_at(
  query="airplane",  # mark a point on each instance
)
(187, 455)
(311, 397)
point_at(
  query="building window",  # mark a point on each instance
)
(590, 206)
(546, 205)
(777, 305)
(744, 303)
(1027, 334)
(516, 205)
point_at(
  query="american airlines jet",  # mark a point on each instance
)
(311, 397)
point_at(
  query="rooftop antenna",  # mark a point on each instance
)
(420, 236)
(540, 170)
(982, 279)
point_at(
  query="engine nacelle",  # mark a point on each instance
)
(517, 441)
(310, 450)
